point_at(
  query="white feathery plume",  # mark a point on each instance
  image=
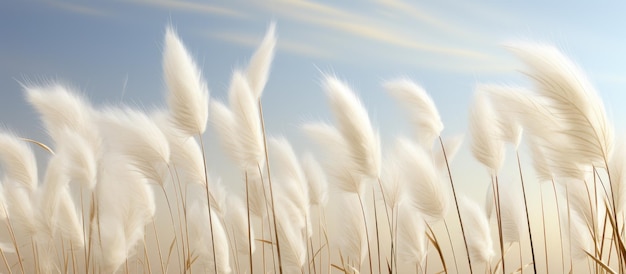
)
(237, 222)
(425, 190)
(247, 126)
(200, 231)
(316, 180)
(18, 161)
(4, 210)
(392, 179)
(289, 172)
(188, 95)
(422, 110)
(617, 167)
(218, 195)
(338, 163)
(346, 229)
(574, 100)
(185, 153)
(526, 108)
(136, 136)
(61, 109)
(486, 146)
(20, 207)
(452, 146)
(353, 122)
(412, 241)
(79, 160)
(582, 200)
(291, 233)
(581, 240)
(256, 197)
(543, 127)
(479, 240)
(125, 205)
(68, 220)
(223, 121)
(540, 163)
(512, 212)
(510, 128)
(259, 67)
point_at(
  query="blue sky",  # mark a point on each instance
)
(111, 52)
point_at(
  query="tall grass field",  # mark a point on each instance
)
(128, 190)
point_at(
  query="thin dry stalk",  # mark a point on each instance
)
(377, 232)
(435, 242)
(6, 263)
(496, 194)
(456, 203)
(208, 200)
(530, 234)
(158, 244)
(269, 179)
(543, 221)
(14, 241)
(456, 266)
(556, 201)
(369, 250)
(249, 228)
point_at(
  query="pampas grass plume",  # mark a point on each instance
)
(188, 95)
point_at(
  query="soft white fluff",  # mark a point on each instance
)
(292, 232)
(487, 147)
(574, 102)
(80, 159)
(200, 231)
(63, 109)
(412, 241)
(223, 121)
(354, 124)
(316, 180)
(479, 239)
(4, 211)
(185, 152)
(424, 188)
(188, 95)
(290, 175)
(259, 67)
(392, 179)
(136, 136)
(347, 230)
(512, 212)
(55, 212)
(247, 126)
(617, 168)
(18, 161)
(581, 240)
(338, 163)
(125, 204)
(236, 221)
(421, 108)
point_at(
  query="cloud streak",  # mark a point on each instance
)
(189, 6)
(282, 44)
(364, 27)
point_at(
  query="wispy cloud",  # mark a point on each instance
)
(282, 44)
(78, 8)
(423, 15)
(364, 26)
(189, 6)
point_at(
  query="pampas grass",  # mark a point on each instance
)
(188, 94)
(87, 210)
